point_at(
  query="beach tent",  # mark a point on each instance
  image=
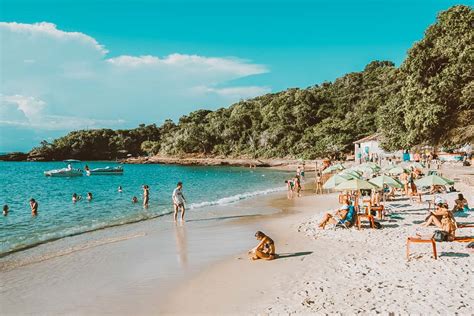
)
(333, 168)
(335, 180)
(380, 181)
(355, 184)
(433, 180)
(397, 170)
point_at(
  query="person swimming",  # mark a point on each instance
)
(76, 197)
(120, 189)
(34, 207)
(134, 199)
(5, 210)
(265, 248)
(89, 196)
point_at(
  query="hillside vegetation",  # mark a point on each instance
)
(428, 100)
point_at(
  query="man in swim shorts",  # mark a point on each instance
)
(178, 201)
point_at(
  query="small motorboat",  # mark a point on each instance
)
(105, 171)
(69, 171)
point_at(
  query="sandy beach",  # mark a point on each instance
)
(341, 271)
(201, 267)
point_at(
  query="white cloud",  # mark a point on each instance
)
(50, 77)
(21, 111)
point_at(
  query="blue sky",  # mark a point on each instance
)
(115, 64)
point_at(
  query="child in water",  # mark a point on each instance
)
(134, 199)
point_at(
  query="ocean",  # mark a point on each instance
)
(59, 217)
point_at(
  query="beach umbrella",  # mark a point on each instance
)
(355, 184)
(417, 165)
(380, 181)
(351, 173)
(332, 168)
(371, 165)
(397, 170)
(364, 169)
(433, 180)
(334, 181)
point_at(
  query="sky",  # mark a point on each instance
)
(75, 64)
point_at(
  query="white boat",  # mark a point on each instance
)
(69, 171)
(105, 171)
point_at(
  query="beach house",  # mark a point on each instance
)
(368, 148)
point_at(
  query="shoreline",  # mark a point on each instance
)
(85, 255)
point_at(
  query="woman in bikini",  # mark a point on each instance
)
(265, 248)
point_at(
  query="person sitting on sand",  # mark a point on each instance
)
(338, 216)
(265, 248)
(34, 207)
(443, 219)
(89, 196)
(76, 197)
(134, 199)
(438, 189)
(5, 210)
(460, 204)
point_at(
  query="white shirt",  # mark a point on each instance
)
(178, 197)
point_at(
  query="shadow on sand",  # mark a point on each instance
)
(293, 254)
(454, 254)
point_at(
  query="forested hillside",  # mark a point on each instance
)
(429, 99)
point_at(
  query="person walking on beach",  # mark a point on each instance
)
(34, 207)
(178, 201)
(5, 210)
(146, 195)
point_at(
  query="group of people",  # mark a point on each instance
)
(295, 184)
(178, 200)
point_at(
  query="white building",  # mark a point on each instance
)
(368, 147)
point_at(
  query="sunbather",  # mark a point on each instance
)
(265, 248)
(443, 219)
(460, 204)
(338, 215)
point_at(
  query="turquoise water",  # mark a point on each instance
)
(59, 217)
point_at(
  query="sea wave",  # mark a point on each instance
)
(234, 198)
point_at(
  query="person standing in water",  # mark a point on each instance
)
(89, 196)
(34, 207)
(5, 210)
(120, 189)
(178, 201)
(146, 195)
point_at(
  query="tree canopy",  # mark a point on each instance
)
(428, 100)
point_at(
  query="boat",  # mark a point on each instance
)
(105, 171)
(69, 171)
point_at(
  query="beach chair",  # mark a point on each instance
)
(349, 220)
(418, 240)
(362, 216)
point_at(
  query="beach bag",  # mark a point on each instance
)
(440, 235)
